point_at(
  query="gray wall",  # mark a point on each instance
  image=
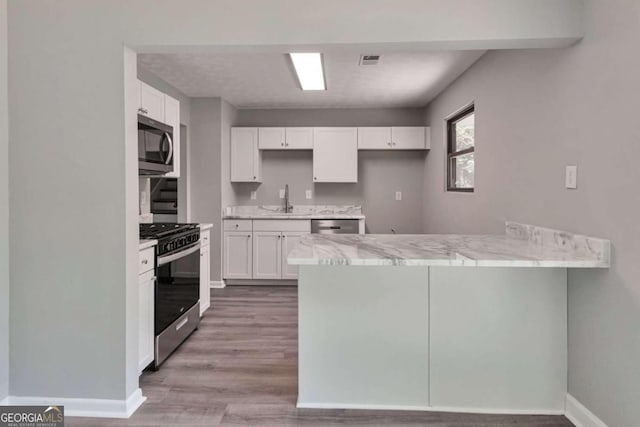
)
(380, 173)
(206, 194)
(4, 208)
(537, 111)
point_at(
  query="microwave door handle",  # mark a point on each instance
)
(170, 155)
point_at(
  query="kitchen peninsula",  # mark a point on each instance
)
(438, 322)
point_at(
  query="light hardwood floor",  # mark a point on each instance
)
(240, 368)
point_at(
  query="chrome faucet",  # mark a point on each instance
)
(287, 206)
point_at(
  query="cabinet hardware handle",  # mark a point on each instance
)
(145, 261)
(254, 177)
(237, 225)
(282, 144)
(248, 236)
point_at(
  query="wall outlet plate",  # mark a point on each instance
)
(571, 177)
(253, 195)
(398, 195)
(282, 193)
(308, 194)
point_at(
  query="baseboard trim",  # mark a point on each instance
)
(5, 401)
(261, 282)
(77, 407)
(578, 414)
(306, 405)
(217, 284)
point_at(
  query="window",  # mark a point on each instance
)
(460, 150)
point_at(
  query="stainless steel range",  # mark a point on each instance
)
(177, 290)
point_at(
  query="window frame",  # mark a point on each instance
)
(452, 154)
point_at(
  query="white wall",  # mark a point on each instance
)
(72, 274)
(380, 173)
(4, 208)
(537, 111)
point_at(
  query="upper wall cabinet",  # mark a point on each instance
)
(394, 138)
(150, 102)
(245, 156)
(290, 138)
(335, 155)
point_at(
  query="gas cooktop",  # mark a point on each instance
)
(163, 230)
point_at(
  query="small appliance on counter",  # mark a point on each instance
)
(177, 289)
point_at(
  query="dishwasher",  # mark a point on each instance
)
(334, 226)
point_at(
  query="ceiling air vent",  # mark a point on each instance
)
(369, 59)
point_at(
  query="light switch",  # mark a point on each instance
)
(571, 176)
(282, 193)
(308, 194)
(398, 195)
(253, 195)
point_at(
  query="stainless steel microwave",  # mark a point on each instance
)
(155, 147)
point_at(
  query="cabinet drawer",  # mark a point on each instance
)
(237, 225)
(301, 225)
(147, 260)
(205, 238)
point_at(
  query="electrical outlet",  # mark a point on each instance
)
(308, 194)
(398, 195)
(282, 193)
(253, 195)
(571, 177)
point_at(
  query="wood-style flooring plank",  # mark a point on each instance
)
(241, 369)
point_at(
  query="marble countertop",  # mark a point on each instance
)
(299, 212)
(514, 249)
(144, 244)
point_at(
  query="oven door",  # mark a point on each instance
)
(178, 285)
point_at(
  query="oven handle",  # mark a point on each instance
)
(162, 260)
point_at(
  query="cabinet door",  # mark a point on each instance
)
(245, 156)
(335, 155)
(289, 240)
(145, 320)
(299, 138)
(172, 118)
(151, 102)
(374, 138)
(237, 255)
(205, 278)
(267, 254)
(408, 138)
(271, 139)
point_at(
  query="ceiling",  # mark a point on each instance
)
(267, 80)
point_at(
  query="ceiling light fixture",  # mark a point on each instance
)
(309, 69)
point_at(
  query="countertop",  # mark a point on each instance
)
(144, 244)
(299, 212)
(521, 246)
(205, 226)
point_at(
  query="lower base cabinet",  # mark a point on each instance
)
(205, 272)
(260, 251)
(146, 290)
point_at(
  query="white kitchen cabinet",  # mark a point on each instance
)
(289, 241)
(238, 255)
(394, 138)
(409, 138)
(205, 271)
(172, 118)
(335, 155)
(151, 102)
(267, 255)
(146, 289)
(299, 138)
(271, 138)
(290, 138)
(246, 164)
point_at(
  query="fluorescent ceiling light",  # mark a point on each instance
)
(308, 67)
